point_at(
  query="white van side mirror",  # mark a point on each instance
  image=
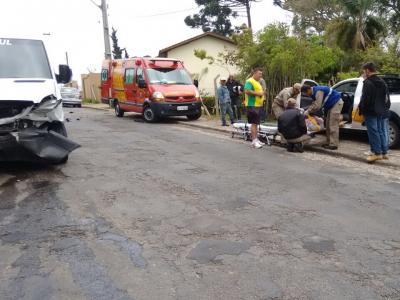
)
(64, 74)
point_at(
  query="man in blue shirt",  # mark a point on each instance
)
(224, 99)
(331, 102)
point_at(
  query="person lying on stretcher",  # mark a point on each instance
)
(292, 125)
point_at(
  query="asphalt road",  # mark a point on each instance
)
(162, 211)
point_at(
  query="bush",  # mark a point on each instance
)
(209, 102)
(347, 75)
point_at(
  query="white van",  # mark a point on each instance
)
(31, 113)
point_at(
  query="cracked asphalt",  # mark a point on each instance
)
(162, 211)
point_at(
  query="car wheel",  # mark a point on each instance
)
(149, 115)
(394, 134)
(118, 111)
(194, 117)
(79, 105)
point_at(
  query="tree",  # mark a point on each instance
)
(358, 28)
(310, 15)
(117, 51)
(285, 59)
(391, 8)
(126, 55)
(216, 15)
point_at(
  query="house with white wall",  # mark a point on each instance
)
(213, 44)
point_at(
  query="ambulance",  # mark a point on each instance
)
(153, 87)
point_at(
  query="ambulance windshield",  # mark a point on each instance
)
(23, 59)
(168, 76)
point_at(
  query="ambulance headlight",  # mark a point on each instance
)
(158, 96)
(197, 95)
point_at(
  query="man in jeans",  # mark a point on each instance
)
(254, 101)
(225, 102)
(374, 106)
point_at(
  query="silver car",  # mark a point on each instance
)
(353, 89)
(71, 97)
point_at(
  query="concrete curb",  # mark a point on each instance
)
(316, 149)
(98, 108)
(187, 123)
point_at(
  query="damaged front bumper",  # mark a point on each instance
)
(36, 145)
(35, 133)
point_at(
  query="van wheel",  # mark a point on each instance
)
(149, 115)
(394, 135)
(194, 117)
(118, 111)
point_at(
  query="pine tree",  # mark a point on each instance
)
(216, 15)
(117, 51)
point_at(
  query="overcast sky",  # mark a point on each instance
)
(144, 27)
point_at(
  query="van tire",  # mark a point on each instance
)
(118, 111)
(149, 115)
(194, 117)
(394, 134)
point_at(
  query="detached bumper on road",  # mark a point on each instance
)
(173, 109)
(35, 145)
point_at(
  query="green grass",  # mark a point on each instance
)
(90, 101)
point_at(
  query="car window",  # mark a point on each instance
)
(347, 87)
(104, 75)
(393, 85)
(129, 76)
(139, 75)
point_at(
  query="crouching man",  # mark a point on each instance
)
(331, 102)
(292, 125)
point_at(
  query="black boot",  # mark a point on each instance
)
(299, 148)
(290, 147)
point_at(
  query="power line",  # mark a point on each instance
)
(167, 13)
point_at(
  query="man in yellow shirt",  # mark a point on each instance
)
(254, 102)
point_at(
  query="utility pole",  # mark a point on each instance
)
(106, 31)
(247, 3)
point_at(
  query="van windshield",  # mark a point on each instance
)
(23, 59)
(168, 76)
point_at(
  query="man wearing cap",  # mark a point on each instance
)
(280, 102)
(224, 100)
(331, 102)
(292, 125)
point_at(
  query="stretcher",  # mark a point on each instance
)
(266, 134)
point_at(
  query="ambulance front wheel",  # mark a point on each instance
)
(194, 117)
(118, 111)
(149, 115)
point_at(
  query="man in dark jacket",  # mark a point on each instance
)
(374, 106)
(235, 90)
(292, 125)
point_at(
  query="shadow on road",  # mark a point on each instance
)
(19, 168)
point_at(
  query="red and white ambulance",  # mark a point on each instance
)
(154, 87)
